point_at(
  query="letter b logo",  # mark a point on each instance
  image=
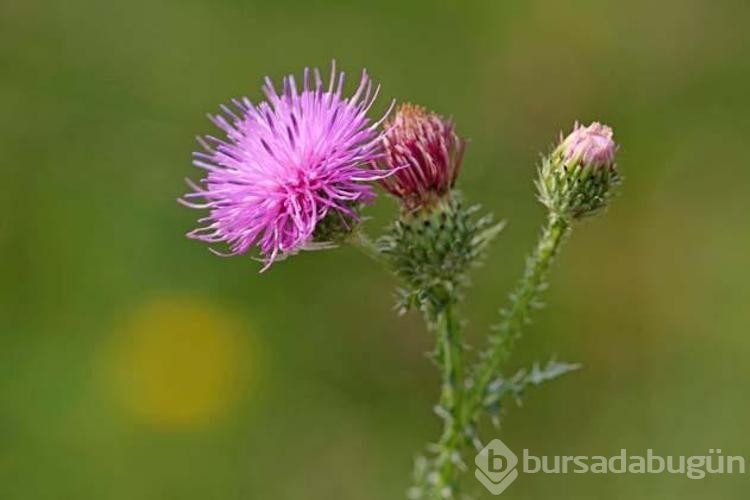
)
(496, 463)
(496, 467)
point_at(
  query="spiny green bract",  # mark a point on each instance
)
(432, 250)
(575, 191)
(336, 227)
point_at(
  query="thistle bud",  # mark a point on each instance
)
(578, 177)
(426, 153)
(592, 145)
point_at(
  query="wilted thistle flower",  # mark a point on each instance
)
(437, 238)
(425, 154)
(577, 178)
(287, 164)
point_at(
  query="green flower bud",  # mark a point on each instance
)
(578, 177)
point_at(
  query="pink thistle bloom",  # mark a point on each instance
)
(592, 145)
(286, 164)
(424, 154)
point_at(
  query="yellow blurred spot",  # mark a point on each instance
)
(180, 362)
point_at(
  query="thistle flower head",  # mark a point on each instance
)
(592, 145)
(578, 177)
(286, 164)
(424, 153)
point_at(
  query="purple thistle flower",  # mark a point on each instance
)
(286, 164)
(592, 145)
(424, 153)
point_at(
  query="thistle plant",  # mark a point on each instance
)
(295, 172)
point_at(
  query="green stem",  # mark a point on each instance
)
(440, 313)
(440, 479)
(522, 302)
(450, 360)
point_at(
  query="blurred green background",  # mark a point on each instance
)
(135, 365)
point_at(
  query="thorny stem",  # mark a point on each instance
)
(523, 301)
(461, 408)
(441, 480)
(449, 356)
